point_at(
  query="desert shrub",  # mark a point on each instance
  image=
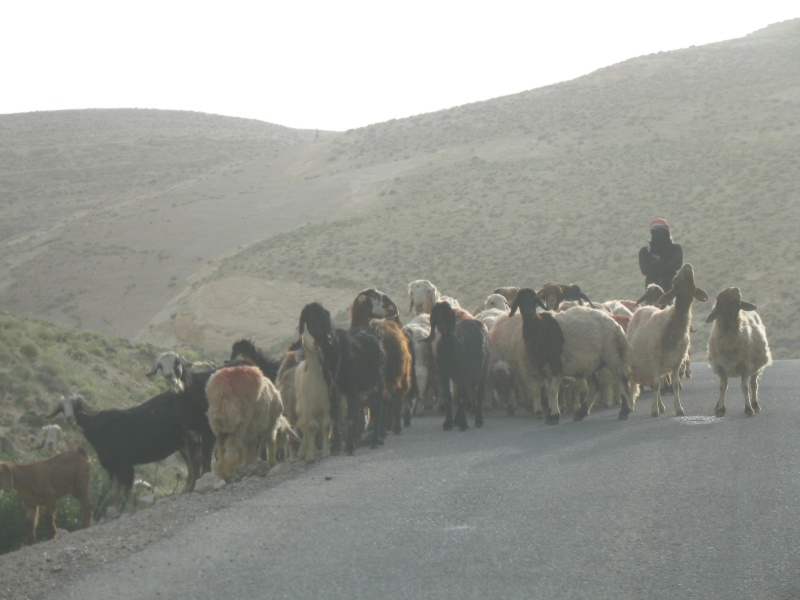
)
(30, 351)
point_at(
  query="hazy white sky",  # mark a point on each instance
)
(335, 64)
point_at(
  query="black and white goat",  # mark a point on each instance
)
(189, 387)
(462, 357)
(123, 438)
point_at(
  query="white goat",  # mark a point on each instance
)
(313, 401)
(660, 338)
(737, 347)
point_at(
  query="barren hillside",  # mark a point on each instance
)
(188, 229)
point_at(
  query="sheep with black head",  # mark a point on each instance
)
(574, 343)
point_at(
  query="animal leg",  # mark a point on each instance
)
(754, 393)
(50, 520)
(658, 404)
(676, 389)
(554, 415)
(748, 407)
(32, 517)
(448, 404)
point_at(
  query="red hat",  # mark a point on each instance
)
(655, 223)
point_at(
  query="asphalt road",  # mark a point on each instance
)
(672, 508)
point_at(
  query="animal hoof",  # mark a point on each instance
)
(749, 411)
(553, 419)
(756, 407)
(720, 412)
(680, 413)
(447, 426)
(654, 413)
(577, 417)
(478, 422)
(622, 416)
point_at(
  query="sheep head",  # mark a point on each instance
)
(497, 301)
(67, 405)
(422, 296)
(315, 327)
(442, 317)
(526, 301)
(572, 293)
(244, 349)
(727, 305)
(509, 293)
(652, 295)
(683, 287)
(173, 367)
(372, 304)
(550, 295)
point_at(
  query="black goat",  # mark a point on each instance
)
(376, 313)
(189, 387)
(143, 434)
(245, 351)
(354, 363)
(462, 356)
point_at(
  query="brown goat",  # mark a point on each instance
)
(43, 483)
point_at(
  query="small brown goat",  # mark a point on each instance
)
(43, 483)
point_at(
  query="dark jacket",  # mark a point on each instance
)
(660, 268)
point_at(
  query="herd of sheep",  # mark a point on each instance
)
(553, 350)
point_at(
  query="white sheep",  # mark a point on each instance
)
(660, 338)
(49, 435)
(737, 347)
(508, 363)
(423, 295)
(493, 300)
(243, 411)
(425, 370)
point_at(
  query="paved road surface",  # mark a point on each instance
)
(667, 508)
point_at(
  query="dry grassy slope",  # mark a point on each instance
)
(552, 184)
(559, 184)
(106, 212)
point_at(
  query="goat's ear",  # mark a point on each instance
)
(640, 300)
(746, 305)
(700, 295)
(514, 307)
(713, 315)
(666, 298)
(585, 297)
